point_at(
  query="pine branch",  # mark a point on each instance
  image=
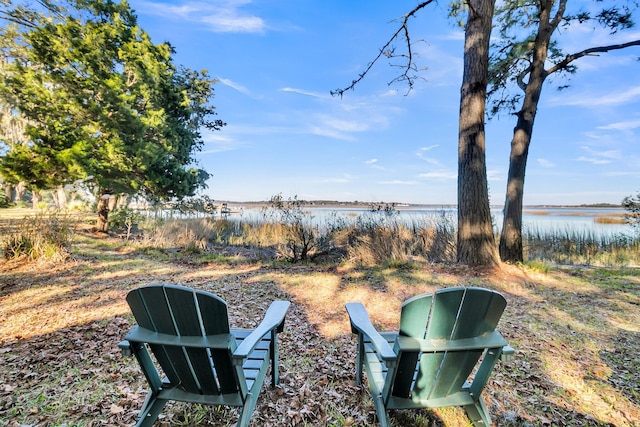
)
(600, 49)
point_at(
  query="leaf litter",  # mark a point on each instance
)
(576, 336)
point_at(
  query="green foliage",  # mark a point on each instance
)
(102, 100)
(513, 53)
(632, 205)
(125, 220)
(44, 236)
(4, 200)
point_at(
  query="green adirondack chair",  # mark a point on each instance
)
(428, 364)
(204, 360)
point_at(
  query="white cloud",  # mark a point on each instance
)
(374, 164)
(221, 16)
(608, 154)
(593, 160)
(594, 100)
(303, 92)
(397, 182)
(546, 163)
(234, 85)
(622, 126)
(342, 125)
(442, 175)
(421, 155)
(217, 143)
(335, 181)
(331, 133)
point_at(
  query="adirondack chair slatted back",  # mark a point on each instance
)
(179, 311)
(450, 314)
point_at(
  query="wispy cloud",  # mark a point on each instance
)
(331, 133)
(216, 143)
(421, 154)
(234, 85)
(547, 164)
(622, 126)
(607, 154)
(442, 175)
(397, 182)
(335, 180)
(303, 92)
(599, 100)
(593, 160)
(373, 163)
(220, 16)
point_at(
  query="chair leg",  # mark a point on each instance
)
(478, 414)
(381, 412)
(150, 410)
(247, 410)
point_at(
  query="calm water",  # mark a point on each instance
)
(535, 219)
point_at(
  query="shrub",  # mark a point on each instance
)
(125, 221)
(302, 235)
(4, 199)
(632, 205)
(46, 235)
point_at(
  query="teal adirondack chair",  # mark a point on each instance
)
(428, 364)
(204, 360)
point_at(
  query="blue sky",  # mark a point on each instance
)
(277, 61)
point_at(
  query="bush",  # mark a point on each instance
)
(302, 235)
(46, 235)
(632, 205)
(125, 221)
(4, 200)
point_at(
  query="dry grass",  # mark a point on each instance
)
(576, 333)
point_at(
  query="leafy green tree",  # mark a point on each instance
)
(632, 206)
(527, 52)
(103, 101)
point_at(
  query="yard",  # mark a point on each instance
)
(576, 332)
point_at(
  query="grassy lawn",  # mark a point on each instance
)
(576, 332)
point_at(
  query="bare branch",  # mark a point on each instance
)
(388, 52)
(600, 49)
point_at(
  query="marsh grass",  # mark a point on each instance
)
(47, 235)
(373, 238)
(584, 247)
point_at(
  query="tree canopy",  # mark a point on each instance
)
(100, 100)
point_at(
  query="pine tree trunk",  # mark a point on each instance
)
(35, 198)
(511, 246)
(511, 249)
(476, 241)
(20, 190)
(102, 224)
(8, 191)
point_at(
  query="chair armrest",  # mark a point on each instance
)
(142, 335)
(360, 323)
(273, 320)
(491, 340)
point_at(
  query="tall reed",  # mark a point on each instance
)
(383, 237)
(571, 246)
(47, 235)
